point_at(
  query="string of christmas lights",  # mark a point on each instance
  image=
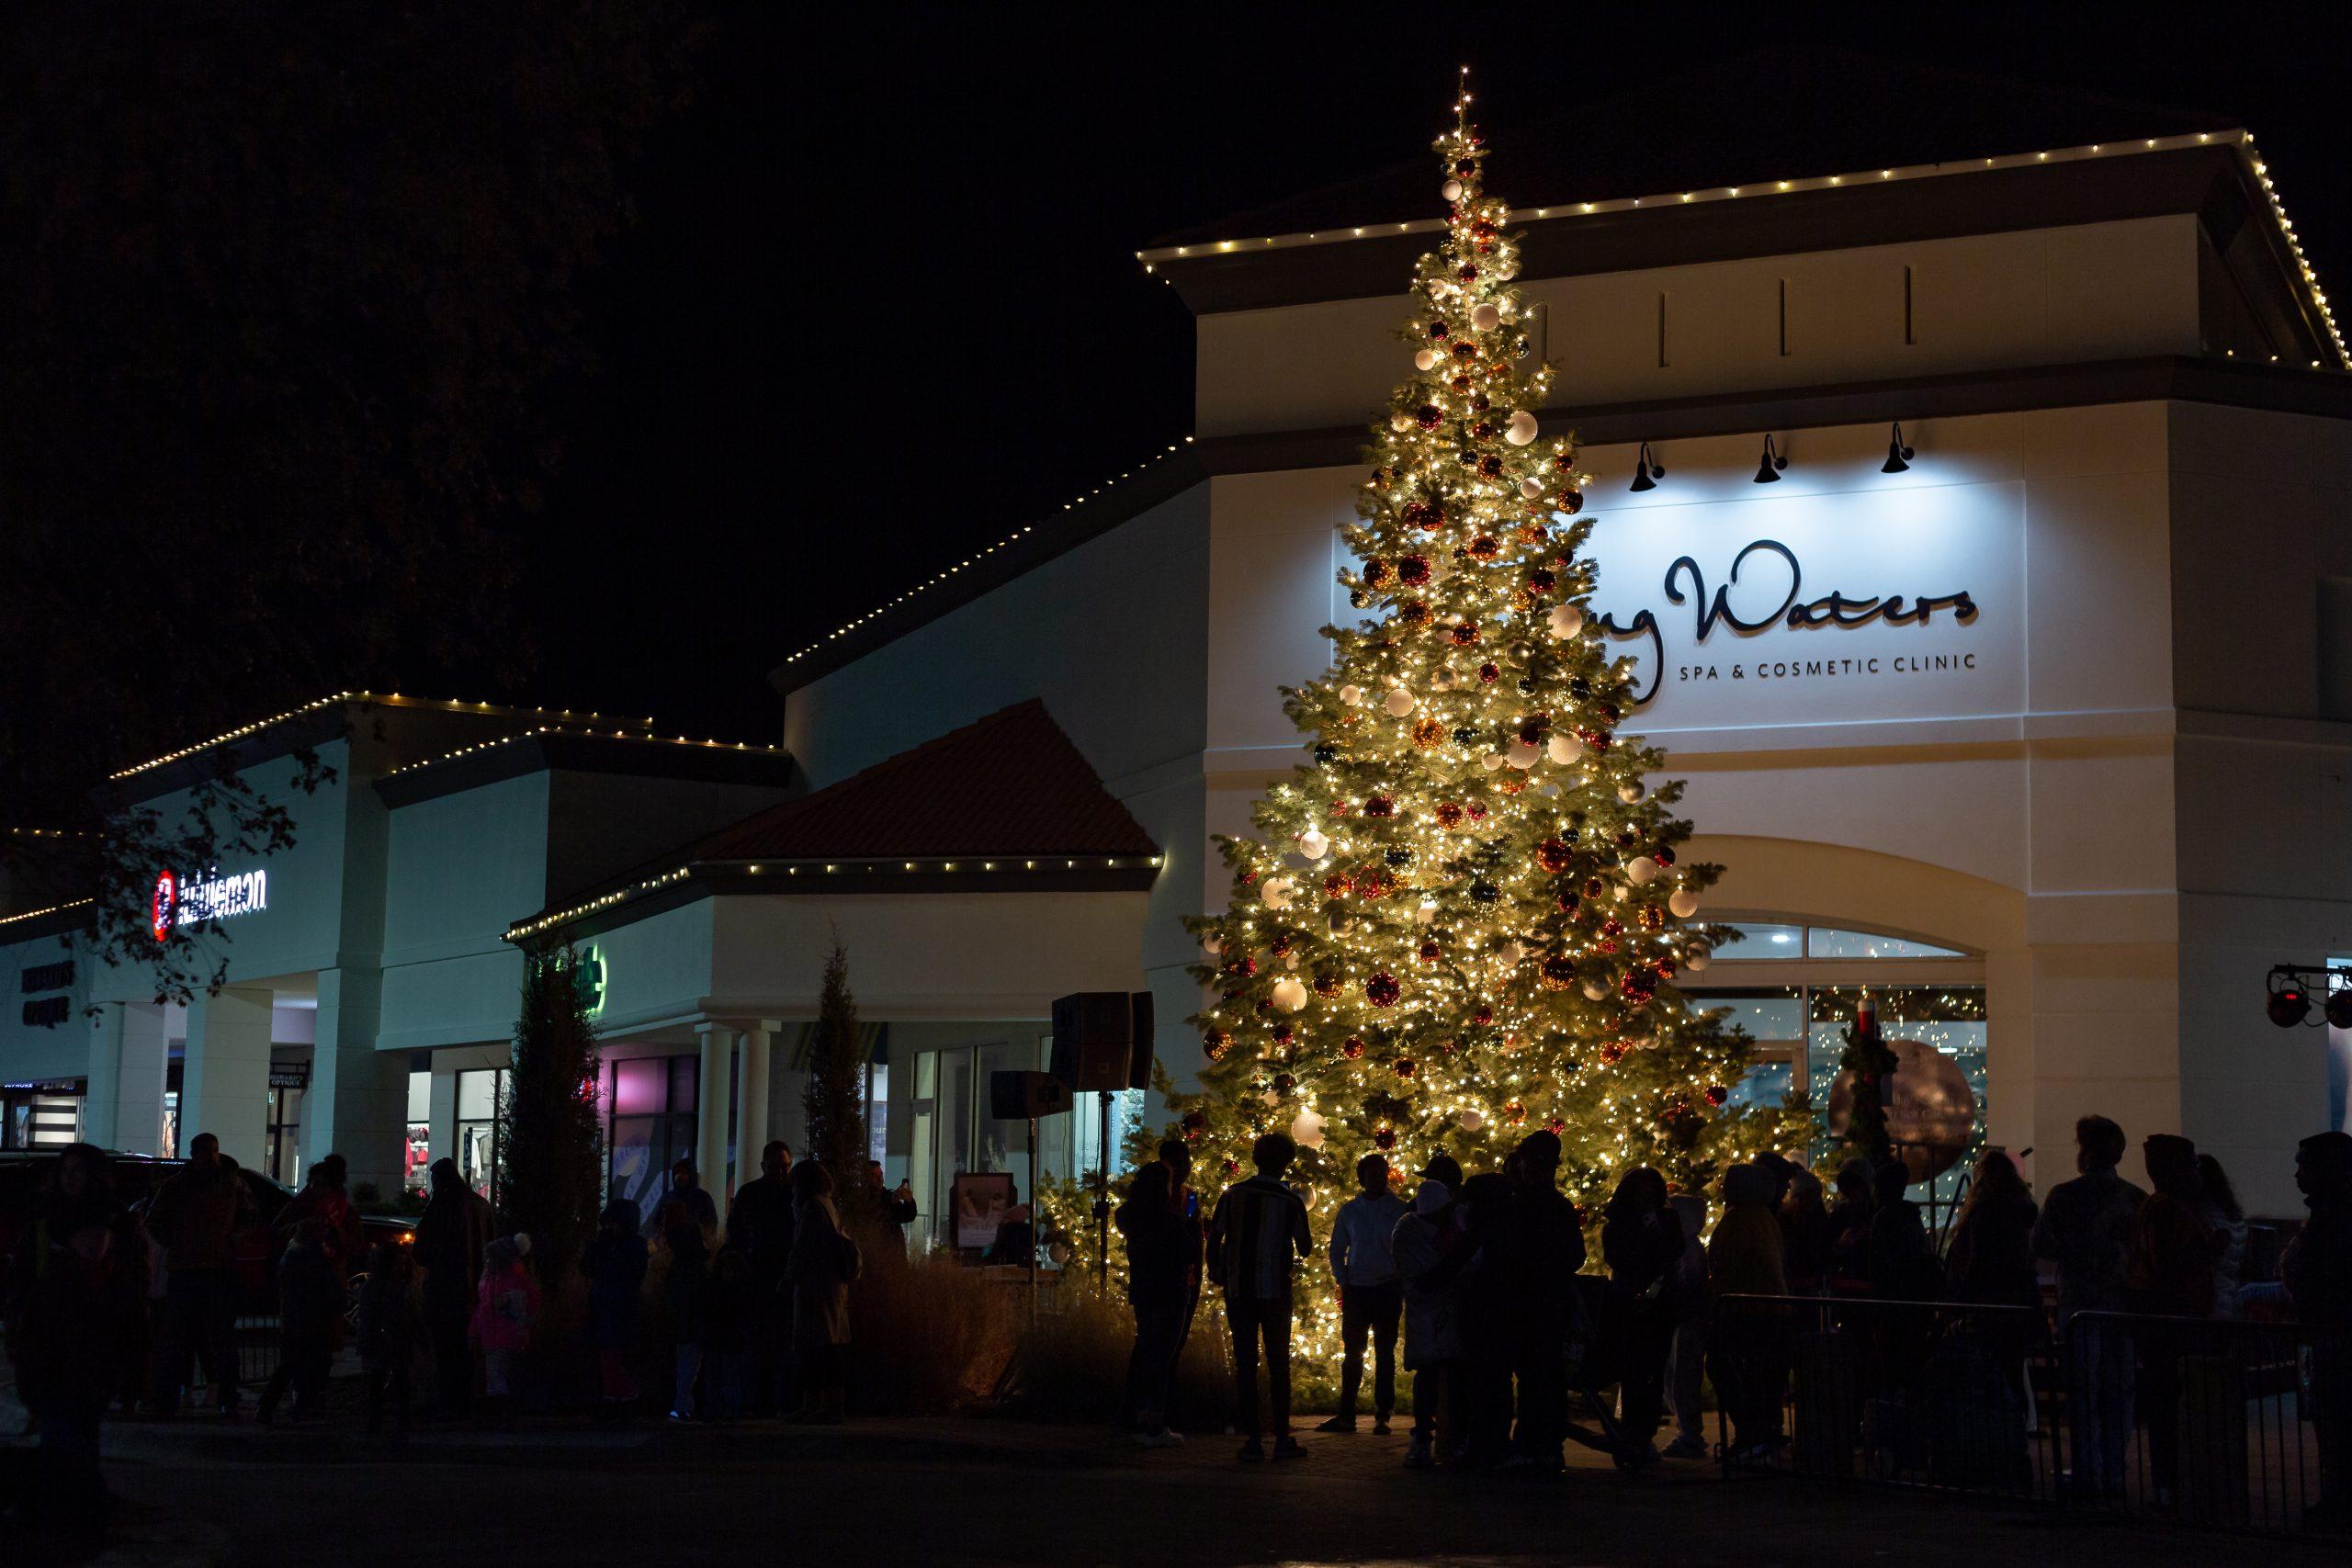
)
(337, 699)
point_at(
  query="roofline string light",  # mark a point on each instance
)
(51, 910)
(1006, 543)
(2242, 141)
(384, 699)
(584, 735)
(817, 866)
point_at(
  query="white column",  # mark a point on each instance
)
(710, 1117)
(441, 1135)
(357, 1102)
(129, 1056)
(751, 1099)
(225, 1082)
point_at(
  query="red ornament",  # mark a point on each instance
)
(1556, 1126)
(1559, 973)
(1478, 811)
(1485, 546)
(1514, 1112)
(1465, 634)
(1663, 854)
(1571, 502)
(1405, 1068)
(1484, 1015)
(1465, 350)
(1375, 572)
(1431, 952)
(1213, 1042)
(1613, 1052)
(1413, 570)
(1327, 982)
(1449, 813)
(1283, 1033)
(1385, 1138)
(1337, 886)
(1428, 416)
(1424, 514)
(1379, 806)
(1351, 1048)
(1195, 1119)
(1491, 672)
(1717, 1094)
(1382, 990)
(1555, 856)
(1232, 1165)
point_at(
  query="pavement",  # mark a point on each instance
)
(979, 1490)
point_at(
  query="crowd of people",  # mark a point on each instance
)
(1483, 1275)
(111, 1305)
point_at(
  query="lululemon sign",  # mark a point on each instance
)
(1900, 604)
(178, 902)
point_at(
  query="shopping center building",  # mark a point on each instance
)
(2033, 717)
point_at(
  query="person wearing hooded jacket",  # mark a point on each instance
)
(1745, 1347)
(1429, 1250)
(1641, 1240)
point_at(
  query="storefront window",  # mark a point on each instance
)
(652, 1099)
(1821, 941)
(478, 1094)
(419, 1158)
(284, 1135)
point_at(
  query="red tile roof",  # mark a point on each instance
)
(1008, 785)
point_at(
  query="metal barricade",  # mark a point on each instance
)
(1940, 1395)
(2214, 1422)
(2219, 1423)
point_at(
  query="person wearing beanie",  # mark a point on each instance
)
(506, 1305)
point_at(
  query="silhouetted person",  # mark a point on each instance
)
(452, 1239)
(325, 1197)
(2170, 1274)
(1546, 1250)
(1744, 1343)
(1641, 1241)
(824, 1263)
(760, 1222)
(309, 1322)
(1431, 1253)
(728, 1315)
(195, 1218)
(1259, 1229)
(1185, 1203)
(505, 1307)
(1371, 1296)
(2216, 1205)
(1848, 1267)
(1687, 1364)
(388, 1325)
(2086, 1228)
(684, 1289)
(65, 1341)
(1159, 1258)
(1489, 1303)
(1807, 1234)
(686, 1188)
(616, 1260)
(897, 1207)
(2317, 1270)
(1990, 1261)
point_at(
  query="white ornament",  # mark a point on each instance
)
(1277, 891)
(1682, 903)
(1485, 318)
(1640, 870)
(1565, 621)
(1399, 702)
(1631, 791)
(1212, 944)
(1564, 749)
(1290, 993)
(1471, 1119)
(1595, 989)
(1441, 680)
(1520, 430)
(1491, 761)
(1352, 695)
(1521, 755)
(1312, 844)
(1307, 1130)
(1510, 953)
(1425, 360)
(1451, 191)
(1697, 959)
(1400, 422)
(1531, 490)
(1426, 914)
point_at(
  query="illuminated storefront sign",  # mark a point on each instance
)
(1817, 609)
(179, 903)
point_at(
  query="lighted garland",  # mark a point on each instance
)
(1459, 920)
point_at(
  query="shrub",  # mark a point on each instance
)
(1073, 1363)
(927, 1335)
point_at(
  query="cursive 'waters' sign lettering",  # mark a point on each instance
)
(1764, 590)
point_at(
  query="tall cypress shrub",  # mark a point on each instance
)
(552, 1147)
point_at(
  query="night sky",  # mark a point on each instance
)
(882, 307)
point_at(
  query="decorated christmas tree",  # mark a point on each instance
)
(1460, 919)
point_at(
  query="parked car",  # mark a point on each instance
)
(136, 1177)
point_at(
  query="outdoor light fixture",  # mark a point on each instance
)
(2289, 1001)
(1647, 471)
(1768, 471)
(1898, 454)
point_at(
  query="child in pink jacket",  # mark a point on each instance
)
(501, 1322)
